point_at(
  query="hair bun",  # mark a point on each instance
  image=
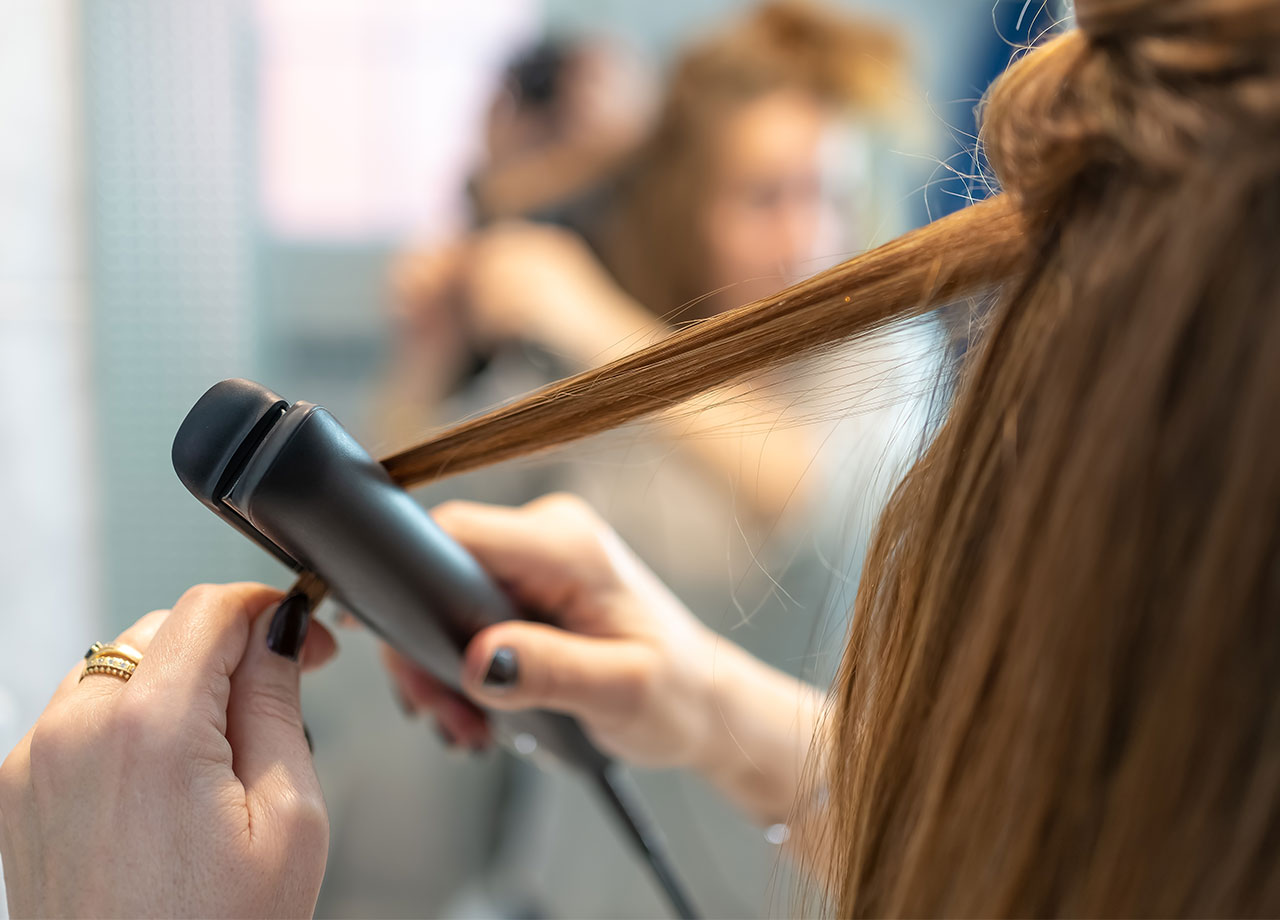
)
(1236, 21)
(1187, 38)
(1151, 86)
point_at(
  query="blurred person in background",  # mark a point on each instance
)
(762, 166)
(567, 112)
(767, 161)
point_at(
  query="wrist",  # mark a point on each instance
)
(758, 732)
(724, 679)
(618, 327)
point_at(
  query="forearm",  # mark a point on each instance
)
(760, 733)
(410, 395)
(541, 178)
(752, 440)
(734, 431)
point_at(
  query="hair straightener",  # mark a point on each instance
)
(293, 480)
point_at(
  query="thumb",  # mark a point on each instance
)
(518, 665)
(271, 757)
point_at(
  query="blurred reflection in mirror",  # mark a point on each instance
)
(768, 158)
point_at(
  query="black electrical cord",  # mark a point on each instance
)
(620, 793)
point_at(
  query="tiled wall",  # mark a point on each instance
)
(170, 250)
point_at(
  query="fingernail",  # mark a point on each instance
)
(289, 626)
(445, 736)
(306, 733)
(503, 669)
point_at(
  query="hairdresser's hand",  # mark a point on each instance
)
(543, 284)
(617, 649)
(187, 791)
(649, 683)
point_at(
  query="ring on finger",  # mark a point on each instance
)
(115, 660)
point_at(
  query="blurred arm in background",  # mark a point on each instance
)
(541, 284)
(725, 201)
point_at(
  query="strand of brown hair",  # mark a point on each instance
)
(948, 259)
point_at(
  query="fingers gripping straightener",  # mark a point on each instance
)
(293, 480)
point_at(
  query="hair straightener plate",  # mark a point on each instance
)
(292, 479)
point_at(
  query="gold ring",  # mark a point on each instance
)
(116, 660)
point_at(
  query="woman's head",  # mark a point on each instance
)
(762, 210)
(727, 193)
(1061, 693)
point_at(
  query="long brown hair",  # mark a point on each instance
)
(1060, 693)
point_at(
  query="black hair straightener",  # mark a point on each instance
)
(293, 480)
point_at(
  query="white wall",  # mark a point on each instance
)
(48, 612)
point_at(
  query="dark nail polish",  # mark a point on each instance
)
(503, 669)
(306, 733)
(289, 626)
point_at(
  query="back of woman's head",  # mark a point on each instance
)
(1061, 694)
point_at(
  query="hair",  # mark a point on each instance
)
(652, 241)
(1060, 691)
(1059, 695)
